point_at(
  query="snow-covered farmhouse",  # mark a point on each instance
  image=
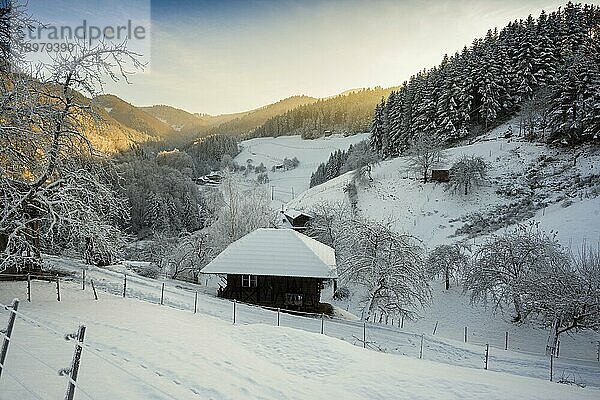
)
(275, 267)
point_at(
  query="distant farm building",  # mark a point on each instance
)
(210, 179)
(440, 173)
(295, 219)
(275, 267)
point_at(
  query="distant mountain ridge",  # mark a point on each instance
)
(251, 120)
(186, 122)
(128, 124)
(347, 113)
(133, 117)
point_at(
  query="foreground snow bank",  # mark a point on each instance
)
(139, 350)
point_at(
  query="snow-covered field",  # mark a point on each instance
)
(138, 350)
(559, 202)
(271, 151)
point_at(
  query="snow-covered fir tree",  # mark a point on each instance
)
(556, 54)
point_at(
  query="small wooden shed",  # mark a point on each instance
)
(295, 219)
(277, 268)
(440, 175)
(440, 172)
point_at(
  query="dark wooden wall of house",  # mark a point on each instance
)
(301, 221)
(271, 291)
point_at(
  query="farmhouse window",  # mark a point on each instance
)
(293, 299)
(249, 281)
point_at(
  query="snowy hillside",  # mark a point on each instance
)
(526, 181)
(209, 358)
(272, 151)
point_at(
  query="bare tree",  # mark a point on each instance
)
(351, 191)
(387, 265)
(449, 259)
(535, 114)
(507, 267)
(329, 222)
(466, 173)
(14, 22)
(188, 257)
(243, 210)
(423, 154)
(361, 159)
(566, 297)
(50, 182)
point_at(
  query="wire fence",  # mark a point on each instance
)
(379, 333)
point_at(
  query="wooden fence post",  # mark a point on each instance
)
(551, 365)
(557, 347)
(83, 279)
(402, 326)
(506, 341)
(74, 370)
(277, 316)
(322, 323)
(162, 293)
(487, 354)
(364, 334)
(466, 330)
(124, 284)
(9, 328)
(29, 287)
(57, 288)
(421, 350)
(94, 289)
(234, 301)
(195, 301)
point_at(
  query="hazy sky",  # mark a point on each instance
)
(228, 56)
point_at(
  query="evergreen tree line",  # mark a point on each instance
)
(208, 152)
(158, 183)
(548, 69)
(331, 169)
(341, 161)
(347, 113)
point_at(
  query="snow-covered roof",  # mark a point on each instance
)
(293, 214)
(440, 166)
(275, 252)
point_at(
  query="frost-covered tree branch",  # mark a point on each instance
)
(51, 179)
(423, 154)
(466, 173)
(567, 297)
(387, 265)
(242, 211)
(507, 268)
(449, 259)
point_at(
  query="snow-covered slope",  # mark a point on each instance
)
(165, 353)
(271, 151)
(527, 181)
(525, 355)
